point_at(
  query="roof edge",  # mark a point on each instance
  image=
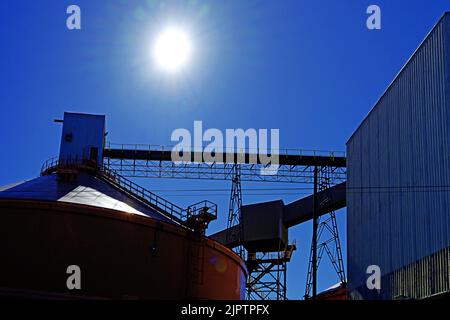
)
(398, 74)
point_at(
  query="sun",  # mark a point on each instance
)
(172, 49)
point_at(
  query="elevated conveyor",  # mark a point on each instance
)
(295, 213)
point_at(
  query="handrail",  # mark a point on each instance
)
(153, 199)
(55, 163)
(204, 206)
(282, 151)
(165, 207)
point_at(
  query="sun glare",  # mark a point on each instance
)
(172, 49)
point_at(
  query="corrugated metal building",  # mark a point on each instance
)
(398, 188)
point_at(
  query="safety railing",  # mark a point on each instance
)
(281, 151)
(285, 254)
(163, 206)
(55, 163)
(205, 206)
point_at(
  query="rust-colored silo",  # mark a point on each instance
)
(123, 249)
(127, 242)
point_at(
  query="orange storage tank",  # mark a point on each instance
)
(124, 250)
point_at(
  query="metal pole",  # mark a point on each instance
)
(314, 258)
(285, 281)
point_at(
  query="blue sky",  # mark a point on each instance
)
(310, 68)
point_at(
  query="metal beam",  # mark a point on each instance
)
(303, 158)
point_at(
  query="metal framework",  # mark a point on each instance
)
(267, 271)
(153, 162)
(325, 237)
(234, 212)
(268, 274)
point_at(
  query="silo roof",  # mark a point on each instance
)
(87, 189)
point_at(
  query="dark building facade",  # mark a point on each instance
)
(398, 193)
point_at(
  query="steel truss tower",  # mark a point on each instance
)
(268, 274)
(234, 211)
(325, 236)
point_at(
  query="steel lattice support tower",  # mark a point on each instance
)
(267, 281)
(234, 210)
(325, 237)
(268, 274)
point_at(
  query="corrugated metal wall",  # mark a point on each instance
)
(424, 278)
(397, 159)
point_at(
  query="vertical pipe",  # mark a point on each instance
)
(314, 257)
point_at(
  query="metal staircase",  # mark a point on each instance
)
(195, 217)
(152, 200)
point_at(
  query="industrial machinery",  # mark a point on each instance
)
(128, 242)
(266, 244)
(90, 214)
